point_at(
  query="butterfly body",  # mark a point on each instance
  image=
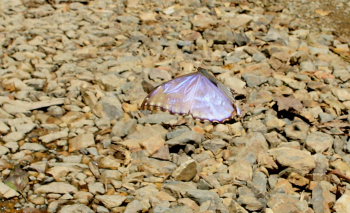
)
(198, 94)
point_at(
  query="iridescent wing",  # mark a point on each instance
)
(198, 94)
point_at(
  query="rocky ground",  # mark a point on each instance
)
(74, 73)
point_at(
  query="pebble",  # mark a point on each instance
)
(33, 147)
(322, 197)
(96, 188)
(202, 196)
(300, 160)
(297, 130)
(81, 141)
(4, 128)
(159, 118)
(186, 137)
(75, 208)
(13, 137)
(54, 136)
(248, 199)
(319, 141)
(186, 171)
(342, 204)
(111, 201)
(56, 187)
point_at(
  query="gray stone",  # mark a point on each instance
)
(13, 137)
(319, 141)
(134, 206)
(186, 171)
(75, 208)
(260, 182)
(159, 118)
(287, 203)
(96, 188)
(326, 117)
(112, 107)
(215, 145)
(202, 196)
(111, 201)
(300, 160)
(81, 141)
(297, 130)
(32, 147)
(123, 128)
(253, 79)
(186, 137)
(307, 66)
(179, 187)
(322, 198)
(247, 198)
(56, 187)
(258, 57)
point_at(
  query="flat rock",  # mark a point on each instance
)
(153, 144)
(342, 94)
(81, 141)
(297, 130)
(286, 203)
(54, 136)
(202, 196)
(342, 204)
(186, 171)
(56, 187)
(13, 137)
(123, 128)
(111, 201)
(32, 147)
(300, 160)
(134, 206)
(248, 199)
(179, 186)
(322, 198)
(96, 188)
(75, 208)
(319, 141)
(159, 118)
(186, 137)
(241, 170)
(214, 145)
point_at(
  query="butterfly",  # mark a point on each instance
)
(198, 94)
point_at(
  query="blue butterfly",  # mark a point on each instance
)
(198, 94)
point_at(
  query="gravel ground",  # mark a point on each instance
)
(75, 72)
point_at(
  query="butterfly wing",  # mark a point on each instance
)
(194, 94)
(172, 95)
(209, 102)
